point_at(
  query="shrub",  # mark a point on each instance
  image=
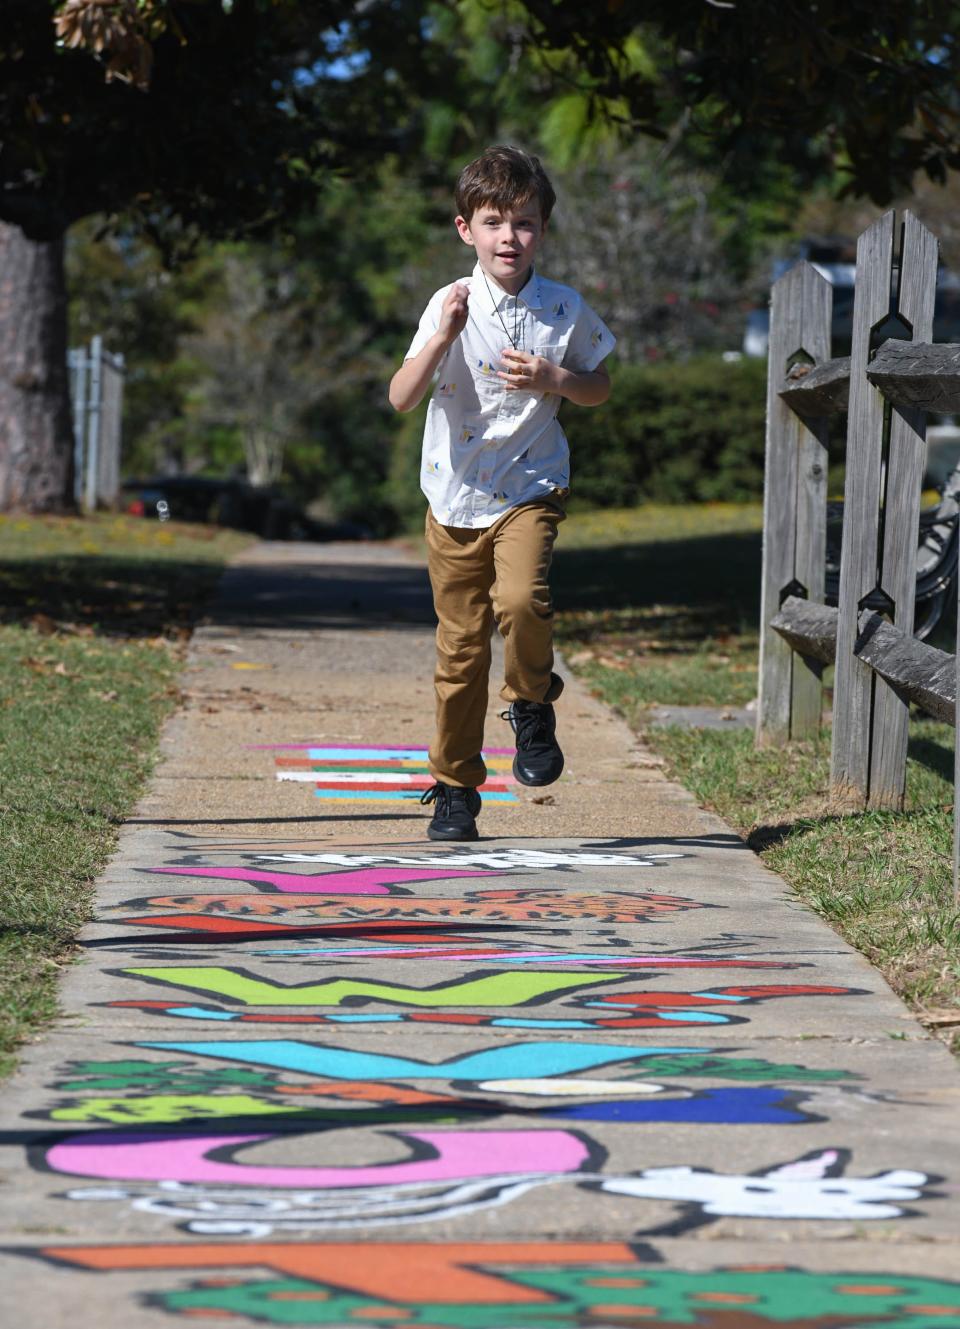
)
(672, 432)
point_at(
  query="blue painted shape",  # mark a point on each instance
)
(201, 1013)
(366, 1019)
(693, 1017)
(514, 1061)
(755, 1106)
(374, 754)
(491, 960)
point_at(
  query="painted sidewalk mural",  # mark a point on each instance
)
(632, 1010)
(285, 1135)
(490, 1285)
(349, 771)
(449, 1173)
(186, 1148)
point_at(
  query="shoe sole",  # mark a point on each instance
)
(473, 834)
(536, 784)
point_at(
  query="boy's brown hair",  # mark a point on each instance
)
(504, 177)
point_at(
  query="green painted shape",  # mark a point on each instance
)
(167, 1076)
(507, 988)
(756, 1070)
(777, 1295)
(156, 1109)
(665, 1296)
(166, 1108)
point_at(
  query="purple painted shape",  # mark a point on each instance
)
(167, 1156)
(361, 881)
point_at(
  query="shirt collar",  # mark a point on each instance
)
(492, 300)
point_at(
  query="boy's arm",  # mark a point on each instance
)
(410, 382)
(532, 373)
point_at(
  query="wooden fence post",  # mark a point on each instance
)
(794, 506)
(956, 771)
(881, 513)
(906, 461)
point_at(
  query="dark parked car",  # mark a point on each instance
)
(228, 501)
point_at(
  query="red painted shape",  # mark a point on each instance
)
(718, 996)
(433, 943)
(205, 923)
(147, 1005)
(761, 992)
(424, 1017)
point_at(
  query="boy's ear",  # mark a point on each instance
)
(463, 227)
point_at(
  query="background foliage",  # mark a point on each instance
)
(684, 156)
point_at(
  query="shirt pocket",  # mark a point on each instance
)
(554, 351)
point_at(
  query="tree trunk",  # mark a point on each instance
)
(36, 427)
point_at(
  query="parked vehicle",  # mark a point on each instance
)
(836, 259)
(228, 501)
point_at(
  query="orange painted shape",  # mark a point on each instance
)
(733, 1298)
(407, 1272)
(625, 1311)
(616, 1282)
(870, 1289)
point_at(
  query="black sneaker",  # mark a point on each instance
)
(539, 759)
(453, 817)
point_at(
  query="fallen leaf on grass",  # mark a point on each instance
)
(107, 696)
(43, 624)
(941, 1017)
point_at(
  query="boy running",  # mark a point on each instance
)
(505, 346)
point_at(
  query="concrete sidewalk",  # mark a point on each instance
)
(599, 1068)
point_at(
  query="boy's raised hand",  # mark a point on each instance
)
(527, 373)
(453, 313)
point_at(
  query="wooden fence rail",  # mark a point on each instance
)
(892, 378)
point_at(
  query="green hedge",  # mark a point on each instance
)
(671, 432)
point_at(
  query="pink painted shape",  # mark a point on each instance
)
(457, 1155)
(362, 881)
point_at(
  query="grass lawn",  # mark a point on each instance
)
(660, 605)
(93, 617)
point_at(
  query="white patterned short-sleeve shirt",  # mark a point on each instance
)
(485, 449)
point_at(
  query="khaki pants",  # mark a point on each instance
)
(478, 576)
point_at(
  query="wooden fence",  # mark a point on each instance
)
(892, 378)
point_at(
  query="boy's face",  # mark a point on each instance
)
(506, 242)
